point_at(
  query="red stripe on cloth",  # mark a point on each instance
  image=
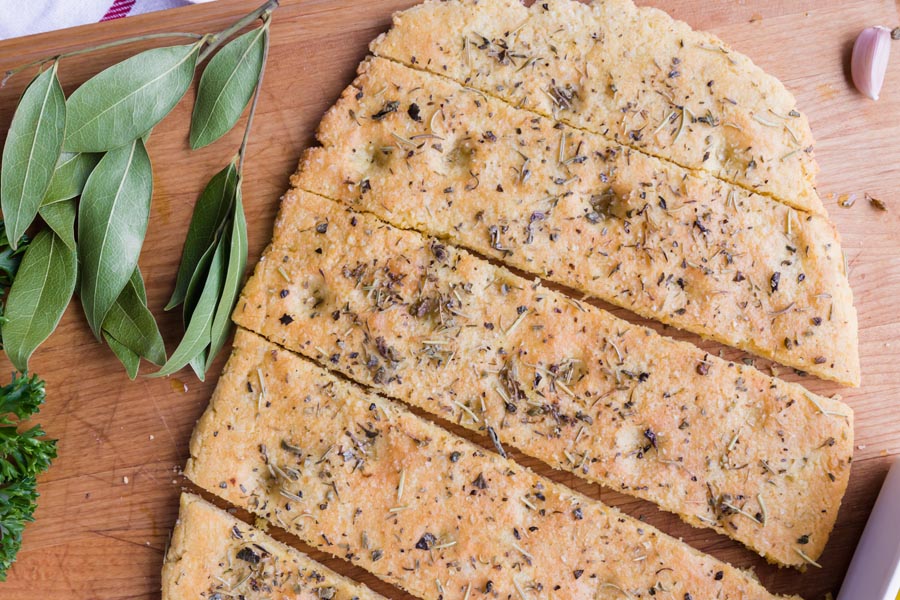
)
(119, 9)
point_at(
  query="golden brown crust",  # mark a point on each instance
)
(424, 153)
(632, 74)
(358, 476)
(213, 555)
(564, 382)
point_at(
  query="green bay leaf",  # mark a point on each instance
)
(31, 151)
(129, 359)
(38, 297)
(197, 334)
(210, 212)
(70, 175)
(137, 280)
(234, 274)
(126, 100)
(60, 217)
(112, 221)
(226, 86)
(131, 323)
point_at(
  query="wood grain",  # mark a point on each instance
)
(110, 500)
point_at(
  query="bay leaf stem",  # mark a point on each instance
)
(262, 71)
(138, 38)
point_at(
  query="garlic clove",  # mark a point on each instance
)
(870, 59)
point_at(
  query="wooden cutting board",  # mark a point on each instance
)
(109, 502)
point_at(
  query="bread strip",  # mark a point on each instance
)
(632, 74)
(212, 555)
(421, 152)
(562, 381)
(360, 477)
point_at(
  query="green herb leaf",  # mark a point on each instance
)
(137, 281)
(38, 296)
(60, 217)
(226, 87)
(129, 359)
(23, 455)
(198, 364)
(126, 100)
(112, 220)
(198, 279)
(131, 323)
(234, 273)
(197, 335)
(32, 148)
(70, 175)
(210, 213)
(9, 258)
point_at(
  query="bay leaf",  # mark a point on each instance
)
(234, 275)
(38, 297)
(112, 221)
(70, 175)
(60, 217)
(197, 334)
(124, 101)
(31, 151)
(131, 323)
(210, 212)
(137, 280)
(129, 359)
(226, 86)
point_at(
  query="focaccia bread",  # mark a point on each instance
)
(214, 556)
(632, 74)
(422, 152)
(360, 477)
(720, 444)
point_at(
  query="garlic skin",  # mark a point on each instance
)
(870, 59)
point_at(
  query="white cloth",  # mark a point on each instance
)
(25, 17)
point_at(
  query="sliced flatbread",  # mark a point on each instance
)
(722, 445)
(358, 476)
(632, 74)
(213, 556)
(422, 152)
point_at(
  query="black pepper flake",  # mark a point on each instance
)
(364, 186)
(578, 514)
(577, 573)
(439, 251)
(773, 282)
(286, 319)
(387, 109)
(413, 112)
(687, 596)
(322, 227)
(651, 437)
(426, 542)
(803, 539)
(248, 555)
(480, 482)
(376, 555)
(719, 575)
(283, 293)
(702, 368)
(489, 586)
(454, 457)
